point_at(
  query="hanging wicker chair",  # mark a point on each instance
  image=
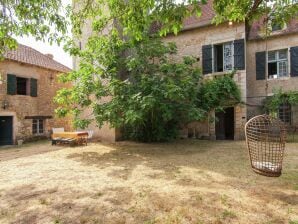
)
(265, 139)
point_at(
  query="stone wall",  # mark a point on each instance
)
(21, 106)
(257, 90)
(104, 133)
(190, 43)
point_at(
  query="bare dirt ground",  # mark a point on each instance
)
(183, 182)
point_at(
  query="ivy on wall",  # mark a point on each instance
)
(271, 104)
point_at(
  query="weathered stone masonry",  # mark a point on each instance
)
(22, 106)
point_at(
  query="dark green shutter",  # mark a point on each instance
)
(239, 54)
(261, 65)
(294, 61)
(11, 84)
(33, 87)
(207, 59)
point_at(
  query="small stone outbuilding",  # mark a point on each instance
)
(28, 84)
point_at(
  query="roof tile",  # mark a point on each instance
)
(257, 26)
(28, 55)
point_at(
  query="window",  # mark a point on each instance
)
(276, 26)
(223, 57)
(277, 64)
(284, 113)
(37, 126)
(22, 86)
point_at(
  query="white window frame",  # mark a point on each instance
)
(223, 56)
(38, 131)
(232, 55)
(277, 61)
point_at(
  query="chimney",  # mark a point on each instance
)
(50, 56)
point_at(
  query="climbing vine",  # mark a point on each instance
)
(272, 103)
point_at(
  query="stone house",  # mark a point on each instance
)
(261, 66)
(272, 64)
(29, 81)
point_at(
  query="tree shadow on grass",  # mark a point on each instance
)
(202, 169)
(169, 158)
(193, 164)
(28, 204)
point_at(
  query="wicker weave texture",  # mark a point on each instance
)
(265, 139)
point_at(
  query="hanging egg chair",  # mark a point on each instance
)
(265, 139)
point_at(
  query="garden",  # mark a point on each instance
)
(186, 181)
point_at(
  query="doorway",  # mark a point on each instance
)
(6, 130)
(225, 124)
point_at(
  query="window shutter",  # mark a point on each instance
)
(261, 65)
(239, 54)
(33, 87)
(294, 61)
(207, 59)
(11, 84)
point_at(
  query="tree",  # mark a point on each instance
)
(44, 20)
(240, 11)
(279, 11)
(149, 94)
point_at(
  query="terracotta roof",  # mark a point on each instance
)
(257, 27)
(194, 21)
(28, 55)
(208, 14)
(205, 19)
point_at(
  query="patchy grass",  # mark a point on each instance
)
(183, 182)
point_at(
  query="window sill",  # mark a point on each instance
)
(279, 79)
(20, 95)
(223, 73)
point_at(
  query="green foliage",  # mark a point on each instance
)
(272, 103)
(150, 94)
(150, 99)
(135, 16)
(246, 10)
(128, 76)
(216, 93)
(44, 20)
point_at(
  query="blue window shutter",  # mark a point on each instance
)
(239, 54)
(294, 61)
(11, 84)
(207, 59)
(261, 65)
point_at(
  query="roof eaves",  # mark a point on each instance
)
(198, 25)
(39, 66)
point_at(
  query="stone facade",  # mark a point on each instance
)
(190, 42)
(258, 90)
(199, 32)
(22, 107)
(104, 133)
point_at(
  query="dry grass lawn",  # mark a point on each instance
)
(183, 182)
